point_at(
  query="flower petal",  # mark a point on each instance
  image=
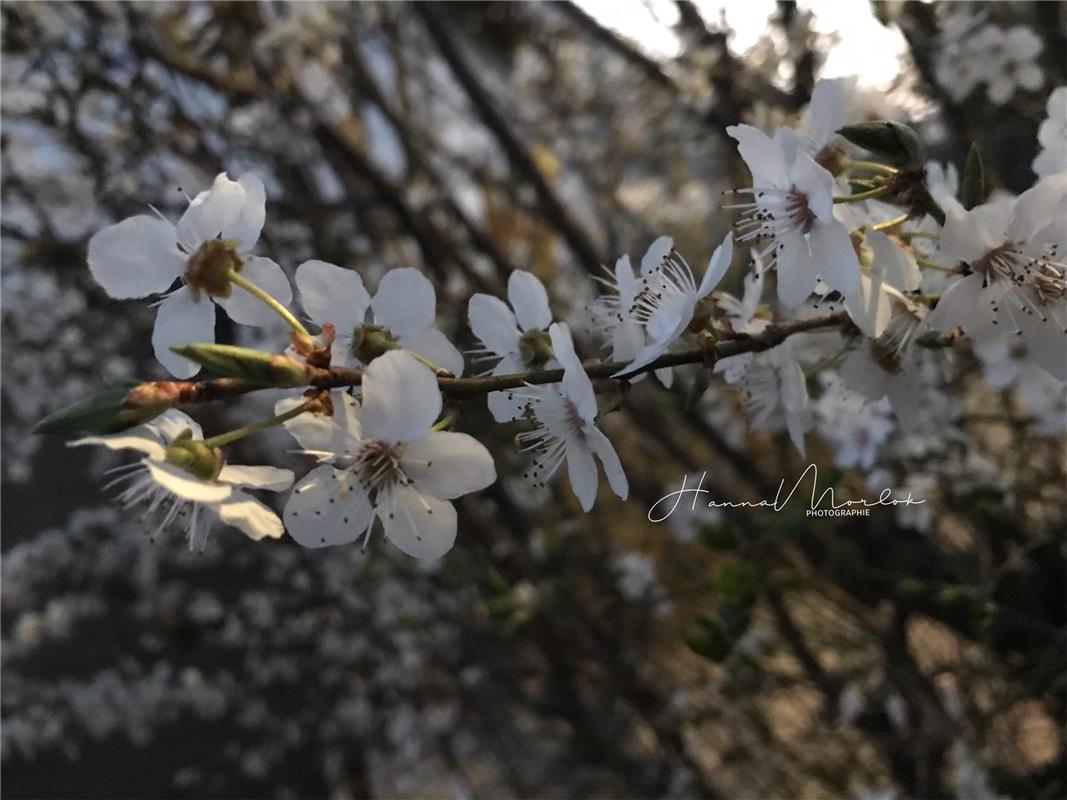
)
(250, 516)
(186, 485)
(796, 271)
(576, 384)
(401, 399)
(657, 251)
(430, 343)
(136, 257)
(228, 210)
(321, 435)
(528, 297)
(328, 507)
(494, 324)
(332, 294)
(140, 438)
(172, 423)
(764, 158)
(247, 309)
(897, 268)
(717, 266)
(405, 301)
(505, 406)
(581, 470)
(270, 479)
(446, 465)
(826, 113)
(182, 319)
(605, 451)
(423, 527)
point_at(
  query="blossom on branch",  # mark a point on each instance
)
(144, 255)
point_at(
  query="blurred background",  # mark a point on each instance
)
(551, 653)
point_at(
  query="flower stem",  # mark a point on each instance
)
(446, 421)
(891, 223)
(872, 166)
(926, 264)
(870, 193)
(437, 370)
(240, 433)
(283, 312)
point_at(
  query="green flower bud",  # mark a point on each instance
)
(895, 142)
(208, 269)
(535, 348)
(195, 457)
(972, 187)
(255, 366)
(103, 412)
(371, 341)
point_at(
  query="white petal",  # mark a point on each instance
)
(173, 423)
(826, 113)
(645, 356)
(181, 319)
(796, 272)
(322, 434)
(332, 294)
(136, 257)
(528, 297)
(423, 527)
(832, 251)
(186, 485)
(246, 308)
(816, 183)
(657, 251)
(270, 479)
(327, 507)
(664, 375)
(494, 324)
(959, 304)
(869, 307)
(401, 399)
(626, 282)
(627, 339)
(764, 158)
(505, 406)
(405, 301)
(609, 459)
(250, 516)
(576, 384)
(447, 465)
(897, 268)
(140, 438)
(432, 344)
(581, 470)
(228, 210)
(717, 266)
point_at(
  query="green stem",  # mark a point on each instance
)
(855, 198)
(891, 223)
(926, 264)
(437, 370)
(450, 415)
(240, 280)
(240, 433)
(873, 166)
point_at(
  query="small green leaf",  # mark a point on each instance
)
(739, 580)
(255, 366)
(895, 142)
(972, 187)
(103, 412)
(707, 638)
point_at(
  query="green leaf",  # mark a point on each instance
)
(255, 366)
(707, 638)
(895, 142)
(739, 580)
(972, 187)
(103, 412)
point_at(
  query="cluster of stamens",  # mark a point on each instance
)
(1035, 283)
(671, 283)
(556, 421)
(769, 215)
(163, 510)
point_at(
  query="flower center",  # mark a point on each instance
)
(888, 349)
(799, 210)
(195, 457)
(371, 341)
(208, 269)
(556, 421)
(1044, 274)
(535, 348)
(378, 465)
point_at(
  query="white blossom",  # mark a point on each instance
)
(174, 496)
(516, 335)
(666, 297)
(144, 255)
(383, 460)
(1016, 278)
(790, 217)
(405, 306)
(563, 416)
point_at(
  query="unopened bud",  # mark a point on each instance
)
(195, 457)
(535, 348)
(255, 366)
(103, 412)
(895, 142)
(371, 341)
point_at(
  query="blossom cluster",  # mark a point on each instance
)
(976, 53)
(860, 276)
